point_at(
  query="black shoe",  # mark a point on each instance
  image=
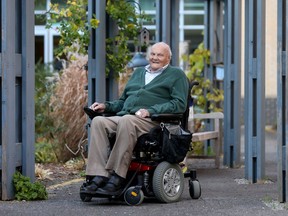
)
(113, 186)
(96, 182)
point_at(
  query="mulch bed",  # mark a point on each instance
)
(57, 173)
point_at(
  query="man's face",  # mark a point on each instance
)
(159, 57)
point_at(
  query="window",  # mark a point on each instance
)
(40, 19)
(44, 37)
(191, 23)
(194, 38)
(151, 21)
(197, 19)
(40, 4)
(39, 49)
(61, 3)
(194, 5)
(56, 39)
(147, 4)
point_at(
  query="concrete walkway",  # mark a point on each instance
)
(224, 192)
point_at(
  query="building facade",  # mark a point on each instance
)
(190, 30)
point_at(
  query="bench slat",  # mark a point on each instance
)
(201, 136)
(212, 115)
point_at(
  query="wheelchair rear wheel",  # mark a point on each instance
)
(168, 182)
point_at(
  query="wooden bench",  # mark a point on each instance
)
(215, 134)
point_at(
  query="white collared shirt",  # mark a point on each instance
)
(150, 75)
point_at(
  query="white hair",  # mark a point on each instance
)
(166, 46)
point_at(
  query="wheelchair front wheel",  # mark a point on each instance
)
(85, 198)
(168, 182)
(194, 189)
(134, 196)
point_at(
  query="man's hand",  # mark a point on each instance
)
(98, 107)
(143, 113)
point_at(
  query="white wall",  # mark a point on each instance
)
(271, 49)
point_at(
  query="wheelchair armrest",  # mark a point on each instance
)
(167, 117)
(91, 113)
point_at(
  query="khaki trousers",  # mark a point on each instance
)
(127, 128)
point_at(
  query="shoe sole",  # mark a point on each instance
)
(107, 193)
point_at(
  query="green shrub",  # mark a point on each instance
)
(45, 80)
(25, 190)
(205, 93)
(44, 152)
(72, 24)
(205, 96)
(44, 85)
(74, 28)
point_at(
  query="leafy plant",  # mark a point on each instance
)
(74, 30)
(45, 81)
(44, 85)
(129, 25)
(44, 151)
(205, 93)
(25, 190)
(73, 27)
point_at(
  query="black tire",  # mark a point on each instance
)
(133, 196)
(168, 182)
(194, 189)
(85, 197)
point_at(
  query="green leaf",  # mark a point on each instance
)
(25, 190)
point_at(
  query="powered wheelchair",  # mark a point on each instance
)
(149, 174)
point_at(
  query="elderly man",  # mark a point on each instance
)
(156, 88)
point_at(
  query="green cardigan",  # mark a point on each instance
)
(166, 93)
